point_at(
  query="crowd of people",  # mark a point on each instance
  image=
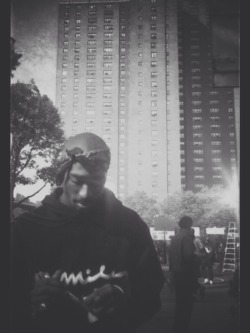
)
(83, 262)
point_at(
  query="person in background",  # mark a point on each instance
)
(181, 270)
(197, 258)
(83, 262)
(207, 261)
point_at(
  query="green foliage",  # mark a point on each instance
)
(14, 57)
(36, 130)
(204, 207)
(145, 206)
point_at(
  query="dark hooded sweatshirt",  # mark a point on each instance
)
(107, 242)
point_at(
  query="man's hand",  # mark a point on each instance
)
(105, 301)
(47, 290)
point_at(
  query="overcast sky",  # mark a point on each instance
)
(34, 26)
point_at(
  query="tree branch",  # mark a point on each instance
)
(26, 163)
(16, 204)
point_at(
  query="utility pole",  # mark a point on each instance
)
(164, 247)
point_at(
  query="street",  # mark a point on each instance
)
(210, 315)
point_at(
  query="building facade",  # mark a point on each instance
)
(138, 74)
(111, 80)
(207, 113)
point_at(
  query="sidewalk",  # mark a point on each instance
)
(210, 315)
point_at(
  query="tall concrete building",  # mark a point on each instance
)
(111, 80)
(138, 73)
(208, 135)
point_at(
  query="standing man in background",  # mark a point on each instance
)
(208, 259)
(83, 262)
(182, 268)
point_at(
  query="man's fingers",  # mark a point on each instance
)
(57, 274)
(45, 275)
(105, 309)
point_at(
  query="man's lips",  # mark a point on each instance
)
(81, 203)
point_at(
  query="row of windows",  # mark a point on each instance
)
(214, 160)
(90, 6)
(108, 27)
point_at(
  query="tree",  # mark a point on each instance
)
(14, 57)
(20, 197)
(180, 204)
(37, 135)
(145, 206)
(204, 207)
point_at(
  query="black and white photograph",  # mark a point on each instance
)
(124, 166)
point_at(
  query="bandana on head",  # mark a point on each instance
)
(95, 161)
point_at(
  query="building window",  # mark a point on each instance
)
(107, 49)
(196, 110)
(217, 177)
(198, 177)
(197, 118)
(91, 57)
(198, 160)
(215, 135)
(90, 80)
(153, 35)
(91, 35)
(91, 50)
(217, 168)
(198, 151)
(196, 102)
(108, 27)
(216, 160)
(198, 168)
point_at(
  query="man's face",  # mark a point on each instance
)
(80, 188)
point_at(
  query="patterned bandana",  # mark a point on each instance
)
(95, 161)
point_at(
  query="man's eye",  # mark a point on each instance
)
(75, 181)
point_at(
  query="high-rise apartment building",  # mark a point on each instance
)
(139, 74)
(207, 113)
(111, 80)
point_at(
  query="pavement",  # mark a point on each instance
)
(213, 314)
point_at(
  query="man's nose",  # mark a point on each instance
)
(84, 191)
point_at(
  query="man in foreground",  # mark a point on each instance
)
(183, 277)
(82, 262)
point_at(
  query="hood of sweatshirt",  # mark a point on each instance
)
(53, 212)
